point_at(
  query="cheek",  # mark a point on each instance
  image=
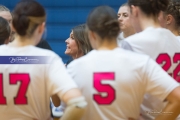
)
(73, 45)
(127, 21)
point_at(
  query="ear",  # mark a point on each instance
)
(169, 19)
(134, 11)
(41, 27)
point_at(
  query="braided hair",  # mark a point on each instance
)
(174, 10)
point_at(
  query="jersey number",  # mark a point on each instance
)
(105, 88)
(166, 58)
(20, 98)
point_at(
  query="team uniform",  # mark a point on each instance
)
(162, 46)
(178, 37)
(120, 38)
(114, 83)
(26, 88)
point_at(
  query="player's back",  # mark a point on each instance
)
(162, 46)
(113, 82)
(24, 89)
(153, 41)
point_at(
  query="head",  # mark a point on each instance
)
(6, 14)
(124, 17)
(4, 31)
(149, 9)
(170, 18)
(29, 19)
(78, 42)
(102, 25)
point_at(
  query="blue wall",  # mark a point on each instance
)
(63, 15)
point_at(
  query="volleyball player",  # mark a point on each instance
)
(114, 80)
(29, 76)
(159, 43)
(169, 19)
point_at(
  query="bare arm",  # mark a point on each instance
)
(76, 105)
(56, 101)
(173, 106)
(73, 93)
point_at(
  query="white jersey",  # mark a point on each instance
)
(115, 81)
(162, 46)
(178, 37)
(120, 38)
(26, 88)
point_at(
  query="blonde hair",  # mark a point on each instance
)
(3, 8)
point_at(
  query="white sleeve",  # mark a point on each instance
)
(158, 82)
(59, 81)
(126, 45)
(74, 70)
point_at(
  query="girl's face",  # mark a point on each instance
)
(72, 48)
(124, 18)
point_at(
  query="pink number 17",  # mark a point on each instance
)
(20, 98)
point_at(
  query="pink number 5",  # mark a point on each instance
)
(21, 98)
(111, 93)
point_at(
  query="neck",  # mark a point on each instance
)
(174, 31)
(78, 55)
(128, 33)
(107, 44)
(146, 22)
(23, 41)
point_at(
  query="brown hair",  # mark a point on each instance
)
(103, 20)
(174, 10)
(150, 7)
(4, 31)
(27, 15)
(81, 38)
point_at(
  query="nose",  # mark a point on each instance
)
(120, 18)
(66, 41)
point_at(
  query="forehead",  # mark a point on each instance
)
(6, 15)
(123, 9)
(71, 33)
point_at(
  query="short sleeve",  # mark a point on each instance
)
(126, 45)
(158, 82)
(59, 81)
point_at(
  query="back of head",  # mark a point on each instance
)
(27, 15)
(174, 10)
(103, 20)
(4, 30)
(81, 38)
(150, 7)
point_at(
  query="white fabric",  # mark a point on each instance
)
(178, 37)
(120, 38)
(45, 80)
(134, 75)
(153, 42)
